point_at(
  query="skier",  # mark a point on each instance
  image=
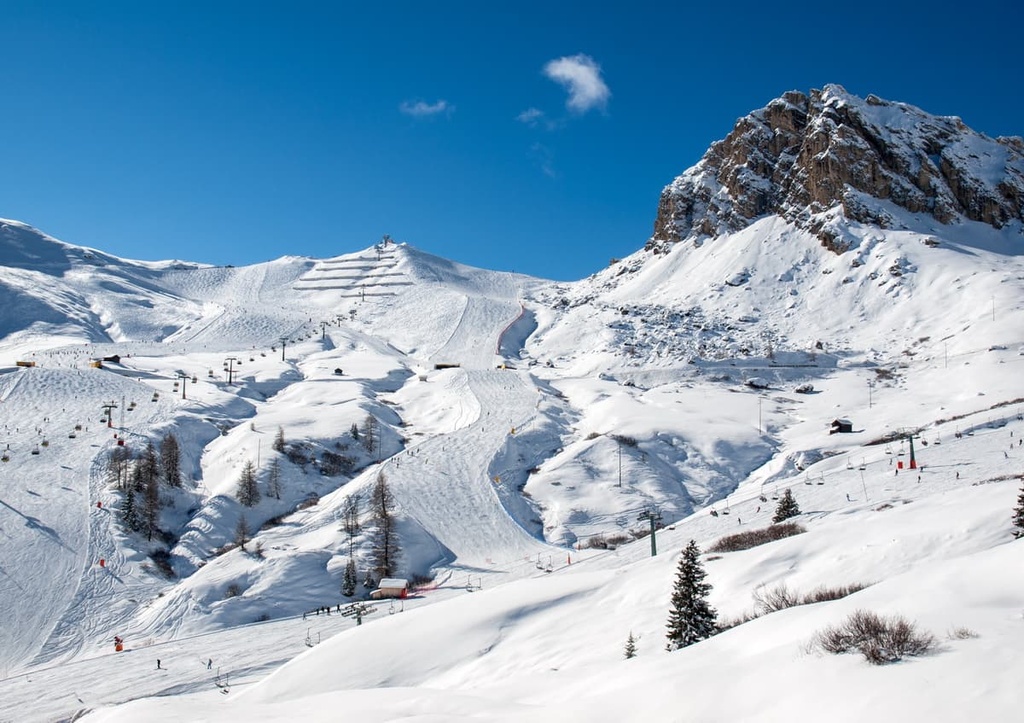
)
(209, 663)
(158, 664)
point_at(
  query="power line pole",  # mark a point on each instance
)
(654, 517)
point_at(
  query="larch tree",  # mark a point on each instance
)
(248, 492)
(690, 619)
(242, 532)
(386, 549)
(274, 479)
(278, 443)
(170, 460)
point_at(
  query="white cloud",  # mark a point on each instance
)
(544, 159)
(421, 109)
(580, 75)
(530, 116)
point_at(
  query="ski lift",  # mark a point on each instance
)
(72, 435)
(762, 498)
(714, 513)
(45, 443)
(888, 449)
(5, 458)
(863, 464)
(35, 450)
(195, 379)
(938, 440)
(849, 465)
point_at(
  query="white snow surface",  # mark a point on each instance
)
(524, 427)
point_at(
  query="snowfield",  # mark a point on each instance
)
(527, 430)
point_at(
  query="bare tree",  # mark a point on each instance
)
(242, 532)
(278, 444)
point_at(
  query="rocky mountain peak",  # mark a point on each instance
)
(815, 157)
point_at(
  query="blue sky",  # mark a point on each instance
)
(527, 136)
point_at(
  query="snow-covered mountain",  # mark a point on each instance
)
(833, 257)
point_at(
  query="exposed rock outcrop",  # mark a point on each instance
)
(807, 157)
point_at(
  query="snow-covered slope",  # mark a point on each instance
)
(529, 431)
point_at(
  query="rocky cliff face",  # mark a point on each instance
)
(810, 158)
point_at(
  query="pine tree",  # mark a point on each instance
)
(274, 479)
(348, 583)
(786, 508)
(130, 512)
(385, 543)
(150, 503)
(242, 532)
(278, 444)
(354, 431)
(1018, 515)
(248, 492)
(170, 460)
(690, 618)
(630, 649)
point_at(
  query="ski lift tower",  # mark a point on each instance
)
(654, 517)
(358, 611)
(908, 434)
(108, 411)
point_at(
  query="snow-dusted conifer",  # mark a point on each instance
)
(630, 650)
(248, 492)
(690, 619)
(786, 508)
(130, 512)
(348, 583)
(1018, 515)
(278, 444)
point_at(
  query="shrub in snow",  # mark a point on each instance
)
(880, 640)
(753, 538)
(690, 618)
(786, 508)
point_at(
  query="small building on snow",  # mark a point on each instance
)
(391, 587)
(841, 426)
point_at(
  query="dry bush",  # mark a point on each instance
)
(961, 633)
(880, 640)
(772, 600)
(754, 538)
(825, 594)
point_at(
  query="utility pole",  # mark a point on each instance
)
(229, 366)
(323, 330)
(871, 386)
(654, 517)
